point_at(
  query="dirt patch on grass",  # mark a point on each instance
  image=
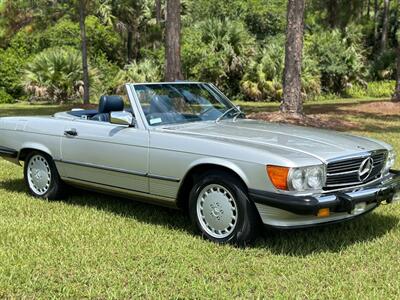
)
(314, 120)
(381, 108)
(334, 117)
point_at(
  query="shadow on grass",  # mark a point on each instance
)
(302, 242)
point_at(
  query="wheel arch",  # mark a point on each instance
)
(201, 166)
(29, 147)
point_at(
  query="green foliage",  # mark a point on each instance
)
(5, 97)
(238, 45)
(10, 72)
(339, 62)
(101, 38)
(374, 89)
(66, 33)
(144, 71)
(54, 74)
(384, 66)
(106, 73)
(266, 18)
(217, 51)
(263, 78)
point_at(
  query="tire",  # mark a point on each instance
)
(221, 210)
(41, 176)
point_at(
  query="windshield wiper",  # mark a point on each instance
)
(225, 113)
(238, 114)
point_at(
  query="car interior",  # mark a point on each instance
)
(162, 109)
(107, 104)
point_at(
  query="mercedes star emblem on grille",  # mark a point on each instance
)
(365, 169)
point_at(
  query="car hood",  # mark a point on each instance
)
(319, 143)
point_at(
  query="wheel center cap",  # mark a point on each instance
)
(216, 210)
(38, 175)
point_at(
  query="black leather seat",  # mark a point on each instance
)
(108, 104)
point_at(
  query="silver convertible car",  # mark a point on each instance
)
(185, 145)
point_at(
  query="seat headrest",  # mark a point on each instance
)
(110, 103)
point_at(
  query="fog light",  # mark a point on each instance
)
(396, 198)
(359, 208)
(323, 213)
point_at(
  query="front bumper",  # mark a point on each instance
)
(287, 211)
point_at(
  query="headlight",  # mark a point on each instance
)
(389, 161)
(297, 179)
(306, 178)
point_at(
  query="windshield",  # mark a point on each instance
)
(165, 104)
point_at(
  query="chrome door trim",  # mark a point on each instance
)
(105, 168)
(166, 178)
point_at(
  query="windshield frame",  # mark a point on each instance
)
(214, 91)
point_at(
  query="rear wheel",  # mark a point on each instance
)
(221, 210)
(41, 176)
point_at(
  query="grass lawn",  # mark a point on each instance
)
(97, 246)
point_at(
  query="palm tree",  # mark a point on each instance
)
(53, 73)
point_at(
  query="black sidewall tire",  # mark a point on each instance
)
(56, 189)
(246, 227)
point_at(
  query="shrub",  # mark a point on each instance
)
(66, 33)
(374, 89)
(263, 77)
(143, 71)
(384, 66)
(54, 74)
(5, 97)
(339, 61)
(106, 73)
(11, 65)
(217, 51)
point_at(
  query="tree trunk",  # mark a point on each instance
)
(368, 9)
(376, 25)
(292, 102)
(396, 95)
(158, 12)
(136, 41)
(129, 46)
(333, 9)
(385, 25)
(85, 69)
(173, 69)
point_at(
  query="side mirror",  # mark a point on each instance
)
(122, 118)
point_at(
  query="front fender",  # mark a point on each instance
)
(222, 163)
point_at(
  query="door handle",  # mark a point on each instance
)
(71, 132)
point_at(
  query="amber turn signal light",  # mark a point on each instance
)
(323, 212)
(278, 176)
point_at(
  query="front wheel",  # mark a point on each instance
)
(41, 176)
(221, 210)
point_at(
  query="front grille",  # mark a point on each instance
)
(345, 172)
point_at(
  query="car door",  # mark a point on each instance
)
(114, 156)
